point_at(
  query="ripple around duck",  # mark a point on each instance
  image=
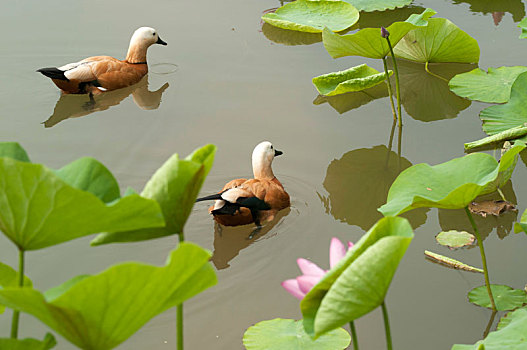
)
(163, 68)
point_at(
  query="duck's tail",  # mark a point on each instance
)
(209, 198)
(53, 73)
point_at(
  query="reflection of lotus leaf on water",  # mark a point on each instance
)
(515, 7)
(75, 106)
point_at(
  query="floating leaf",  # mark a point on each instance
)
(451, 185)
(9, 278)
(506, 298)
(353, 79)
(13, 150)
(509, 115)
(449, 262)
(509, 336)
(289, 37)
(368, 42)
(378, 5)
(100, 312)
(455, 239)
(439, 41)
(522, 225)
(359, 282)
(175, 187)
(492, 87)
(351, 100)
(494, 207)
(523, 26)
(49, 342)
(312, 16)
(279, 334)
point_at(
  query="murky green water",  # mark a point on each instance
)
(234, 85)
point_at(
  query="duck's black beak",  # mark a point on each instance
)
(277, 152)
(160, 41)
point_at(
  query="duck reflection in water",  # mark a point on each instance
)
(75, 106)
(230, 240)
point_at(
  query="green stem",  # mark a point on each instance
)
(386, 326)
(390, 93)
(397, 88)
(16, 314)
(501, 194)
(433, 74)
(179, 316)
(489, 325)
(354, 336)
(483, 257)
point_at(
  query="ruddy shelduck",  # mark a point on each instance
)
(97, 74)
(243, 201)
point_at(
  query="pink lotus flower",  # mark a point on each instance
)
(301, 285)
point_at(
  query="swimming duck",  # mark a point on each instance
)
(243, 201)
(97, 74)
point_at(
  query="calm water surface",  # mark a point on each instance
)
(233, 83)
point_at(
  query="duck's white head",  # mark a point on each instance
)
(141, 40)
(262, 159)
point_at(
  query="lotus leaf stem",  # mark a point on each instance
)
(489, 325)
(397, 88)
(386, 326)
(483, 257)
(16, 314)
(354, 336)
(433, 74)
(390, 93)
(501, 194)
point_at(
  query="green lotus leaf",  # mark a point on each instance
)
(359, 282)
(450, 263)
(353, 79)
(455, 239)
(175, 186)
(450, 185)
(351, 100)
(368, 42)
(49, 342)
(509, 336)
(289, 37)
(439, 41)
(522, 225)
(101, 311)
(492, 87)
(523, 26)
(9, 278)
(378, 5)
(13, 150)
(509, 115)
(506, 298)
(38, 209)
(312, 16)
(289, 334)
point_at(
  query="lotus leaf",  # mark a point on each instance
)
(509, 336)
(175, 187)
(359, 282)
(378, 5)
(509, 115)
(13, 150)
(368, 42)
(351, 100)
(506, 298)
(289, 37)
(492, 87)
(9, 278)
(523, 26)
(353, 79)
(289, 334)
(28, 344)
(451, 185)
(449, 262)
(522, 225)
(101, 311)
(439, 41)
(312, 16)
(455, 239)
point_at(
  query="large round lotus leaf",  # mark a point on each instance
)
(455, 239)
(492, 87)
(505, 297)
(440, 41)
(313, 16)
(353, 79)
(509, 115)
(378, 5)
(279, 334)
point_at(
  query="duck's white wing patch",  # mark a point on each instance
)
(218, 204)
(79, 70)
(233, 194)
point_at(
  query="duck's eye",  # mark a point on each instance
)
(271, 147)
(154, 34)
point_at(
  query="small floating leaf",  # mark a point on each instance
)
(49, 342)
(449, 262)
(353, 79)
(312, 16)
(492, 87)
(439, 41)
(455, 239)
(492, 207)
(378, 5)
(506, 298)
(281, 334)
(509, 115)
